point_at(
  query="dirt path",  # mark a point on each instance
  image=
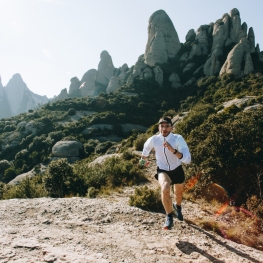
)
(106, 230)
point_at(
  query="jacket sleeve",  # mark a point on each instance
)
(183, 148)
(148, 145)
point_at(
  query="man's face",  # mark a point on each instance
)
(165, 128)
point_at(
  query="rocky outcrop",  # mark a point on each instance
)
(158, 75)
(114, 84)
(175, 80)
(62, 95)
(88, 87)
(251, 39)
(190, 36)
(67, 149)
(5, 110)
(239, 61)
(201, 45)
(163, 41)
(20, 98)
(105, 69)
(74, 87)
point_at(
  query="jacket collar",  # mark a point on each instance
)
(167, 137)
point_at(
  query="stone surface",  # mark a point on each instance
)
(190, 36)
(19, 97)
(88, 87)
(63, 95)
(251, 39)
(103, 230)
(158, 75)
(67, 149)
(163, 41)
(74, 86)
(114, 84)
(238, 56)
(175, 80)
(201, 45)
(105, 69)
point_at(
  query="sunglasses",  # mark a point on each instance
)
(165, 126)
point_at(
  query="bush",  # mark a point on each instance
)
(27, 188)
(146, 198)
(71, 112)
(139, 142)
(60, 181)
(9, 174)
(103, 147)
(92, 192)
(4, 164)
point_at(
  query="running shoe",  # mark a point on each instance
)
(168, 223)
(178, 212)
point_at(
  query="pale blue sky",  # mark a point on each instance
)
(50, 41)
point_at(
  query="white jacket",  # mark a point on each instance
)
(165, 159)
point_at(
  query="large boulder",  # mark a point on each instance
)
(105, 69)
(239, 61)
(67, 149)
(163, 41)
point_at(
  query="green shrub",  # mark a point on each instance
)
(139, 142)
(4, 164)
(146, 198)
(71, 112)
(27, 188)
(9, 174)
(60, 181)
(103, 147)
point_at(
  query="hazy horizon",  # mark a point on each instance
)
(50, 41)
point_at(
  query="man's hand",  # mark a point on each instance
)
(168, 146)
(143, 161)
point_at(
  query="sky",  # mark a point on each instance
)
(48, 42)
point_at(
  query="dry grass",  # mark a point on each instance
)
(233, 223)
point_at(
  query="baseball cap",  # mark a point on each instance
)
(165, 119)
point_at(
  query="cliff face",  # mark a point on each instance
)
(17, 98)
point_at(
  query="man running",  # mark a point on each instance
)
(171, 151)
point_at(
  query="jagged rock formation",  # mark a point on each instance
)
(74, 87)
(16, 98)
(105, 69)
(63, 95)
(163, 41)
(88, 80)
(239, 60)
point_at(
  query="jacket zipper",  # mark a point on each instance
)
(166, 156)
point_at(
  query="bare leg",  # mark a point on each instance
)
(178, 193)
(165, 183)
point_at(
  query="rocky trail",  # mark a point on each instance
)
(108, 230)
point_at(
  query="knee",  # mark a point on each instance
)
(165, 188)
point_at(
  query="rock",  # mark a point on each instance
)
(113, 85)
(251, 39)
(201, 47)
(236, 31)
(63, 95)
(30, 127)
(87, 87)
(74, 86)
(163, 41)
(190, 36)
(19, 98)
(158, 75)
(67, 149)
(188, 67)
(175, 80)
(123, 74)
(105, 69)
(239, 55)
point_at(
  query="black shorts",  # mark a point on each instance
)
(177, 175)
